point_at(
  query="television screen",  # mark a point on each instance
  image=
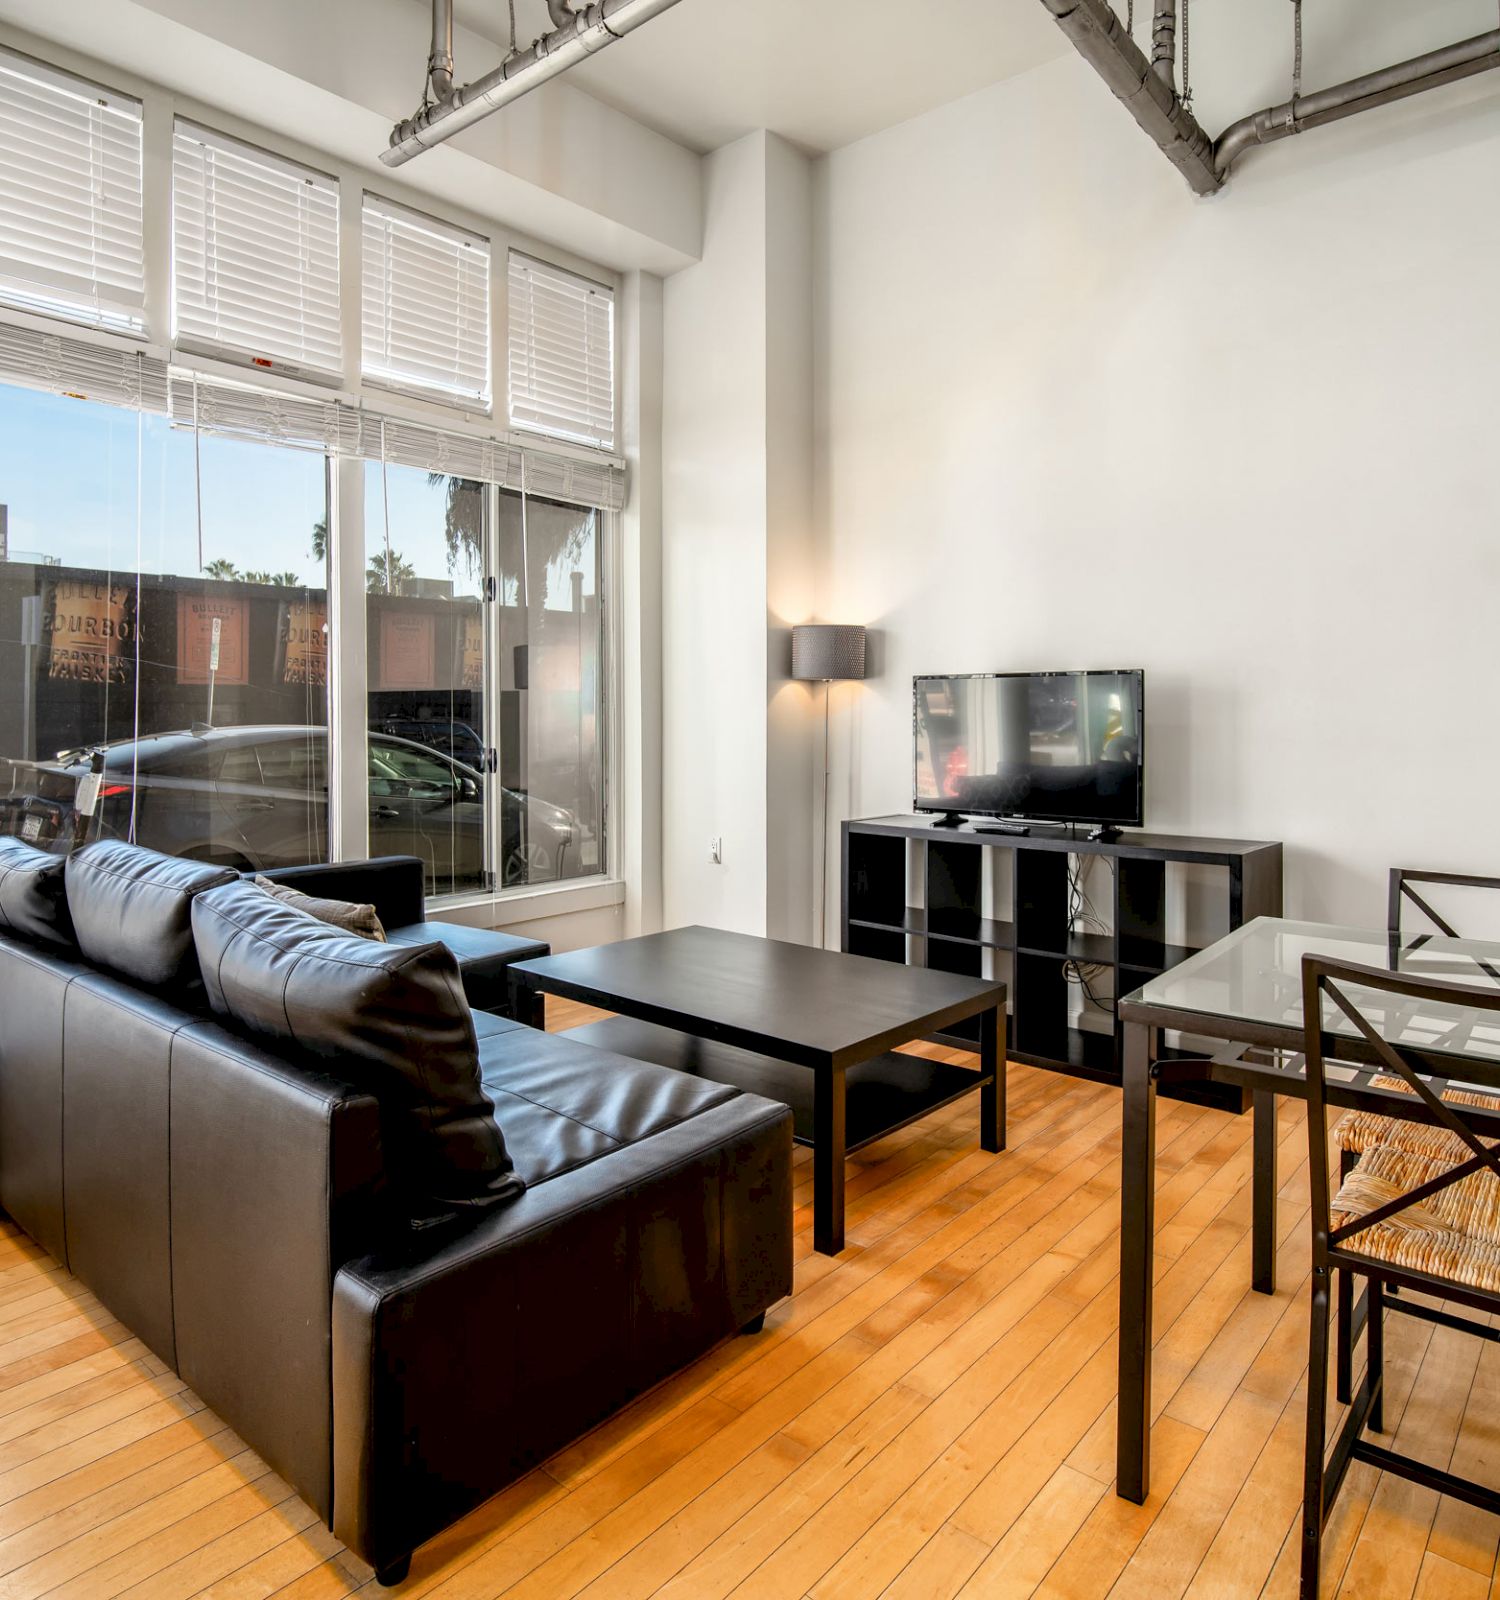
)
(1052, 746)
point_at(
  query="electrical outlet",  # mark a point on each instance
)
(716, 851)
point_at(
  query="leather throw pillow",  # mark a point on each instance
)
(388, 1018)
(33, 897)
(130, 910)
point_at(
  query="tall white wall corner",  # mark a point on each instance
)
(638, 807)
(793, 710)
(736, 554)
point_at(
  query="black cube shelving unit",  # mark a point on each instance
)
(944, 923)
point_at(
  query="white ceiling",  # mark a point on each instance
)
(821, 73)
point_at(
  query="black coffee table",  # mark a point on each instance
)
(814, 1029)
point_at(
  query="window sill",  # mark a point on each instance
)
(507, 907)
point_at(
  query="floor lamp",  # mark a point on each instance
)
(826, 652)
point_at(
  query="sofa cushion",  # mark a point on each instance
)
(345, 915)
(484, 957)
(131, 911)
(565, 1104)
(392, 1017)
(33, 898)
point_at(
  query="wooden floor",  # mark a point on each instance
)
(930, 1415)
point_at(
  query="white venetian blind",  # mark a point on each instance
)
(71, 241)
(426, 313)
(255, 256)
(562, 353)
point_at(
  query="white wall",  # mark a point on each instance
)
(738, 559)
(791, 547)
(635, 758)
(1071, 416)
(714, 556)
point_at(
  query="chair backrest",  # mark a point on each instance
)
(1360, 994)
(1401, 891)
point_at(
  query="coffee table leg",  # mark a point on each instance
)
(1263, 1189)
(1137, 1249)
(828, 1163)
(527, 1005)
(991, 1094)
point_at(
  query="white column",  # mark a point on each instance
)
(637, 640)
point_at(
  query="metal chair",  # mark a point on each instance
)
(1401, 892)
(1402, 1220)
(1356, 1131)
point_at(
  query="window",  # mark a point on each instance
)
(550, 643)
(71, 240)
(255, 257)
(426, 306)
(428, 700)
(485, 717)
(562, 353)
(162, 603)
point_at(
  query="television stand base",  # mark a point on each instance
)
(949, 819)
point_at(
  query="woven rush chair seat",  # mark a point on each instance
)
(1358, 1131)
(1454, 1234)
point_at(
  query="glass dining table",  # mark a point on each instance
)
(1243, 996)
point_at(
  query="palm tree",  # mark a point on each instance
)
(220, 568)
(388, 573)
(463, 531)
(320, 539)
(463, 523)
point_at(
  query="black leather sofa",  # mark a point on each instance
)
(261, 1214)
(394, 885)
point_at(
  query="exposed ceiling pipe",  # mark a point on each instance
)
(440, 58)
(583, 33)
(1146, 89)
(1438, 67)
(1164, 44)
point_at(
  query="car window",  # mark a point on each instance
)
(406, 764)
(293, 764)
(241, 765)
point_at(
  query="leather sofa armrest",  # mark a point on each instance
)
(394, 885)
(455, 1373)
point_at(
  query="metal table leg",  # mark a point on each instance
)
(1137, 1247)
(1264, 1186)
(828, 1162)
(992, 1094)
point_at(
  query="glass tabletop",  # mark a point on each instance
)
(1254, 976)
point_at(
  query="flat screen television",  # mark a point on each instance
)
(1040, 746)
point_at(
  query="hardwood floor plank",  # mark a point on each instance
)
(929, 1415)
(1019, 1563)
(1098, 1552)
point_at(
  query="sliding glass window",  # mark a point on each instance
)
(550, 668)
(163, 622)
(425, 538)
(484, 637)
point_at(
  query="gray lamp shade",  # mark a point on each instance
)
(823, 650)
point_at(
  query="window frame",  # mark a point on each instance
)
(391, 381)
(130, 322)
(189, 131)
(516, 254)
(347, 690)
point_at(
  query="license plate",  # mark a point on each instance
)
(31, 827)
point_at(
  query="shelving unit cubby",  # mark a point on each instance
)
(970, 900)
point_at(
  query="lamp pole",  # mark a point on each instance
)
(825, 653)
